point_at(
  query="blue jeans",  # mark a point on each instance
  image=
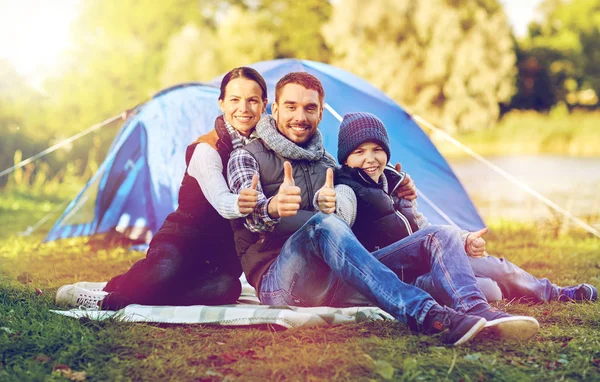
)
(324, 264)
(498, 278)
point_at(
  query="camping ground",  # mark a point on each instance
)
(36, 344)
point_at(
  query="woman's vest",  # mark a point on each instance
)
(196, 225)
(378, 223)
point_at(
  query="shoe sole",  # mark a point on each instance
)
(479, 326)
(517, 328)
(593, 293)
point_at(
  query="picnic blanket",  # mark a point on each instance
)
(247, 312)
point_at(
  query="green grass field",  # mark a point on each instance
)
(528, 133)
(37, 345)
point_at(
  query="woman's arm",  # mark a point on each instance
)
(206, 167)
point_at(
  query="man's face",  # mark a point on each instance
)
(298, 113)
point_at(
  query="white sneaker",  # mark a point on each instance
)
(75, 296)
(91, 285)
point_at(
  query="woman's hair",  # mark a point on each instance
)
(243, 72)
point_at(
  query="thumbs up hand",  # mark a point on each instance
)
(288, 198)
(407, 189)
(248, 197)
(475, 243)
(326, 197)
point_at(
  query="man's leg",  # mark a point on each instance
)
(314, 261)
(488, 287)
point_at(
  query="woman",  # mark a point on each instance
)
(191, 260)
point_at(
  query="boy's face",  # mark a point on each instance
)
(370, 157)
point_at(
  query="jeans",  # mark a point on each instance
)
(498, 278)
(172, 274)
(324, 264)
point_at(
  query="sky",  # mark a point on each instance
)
(34, 33)
(520, 13)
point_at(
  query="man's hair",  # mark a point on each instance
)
(243, 72)
(303, 79)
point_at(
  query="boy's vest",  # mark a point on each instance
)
(377, 224)
(258, 251)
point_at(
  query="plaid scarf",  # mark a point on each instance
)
(237, 139)
(272, 138)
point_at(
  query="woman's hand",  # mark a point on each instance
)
(248, 197)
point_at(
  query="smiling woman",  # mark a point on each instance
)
(34, 33)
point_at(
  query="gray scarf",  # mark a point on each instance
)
(274, 140)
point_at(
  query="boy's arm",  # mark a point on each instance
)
(345, 203)
(240, 170)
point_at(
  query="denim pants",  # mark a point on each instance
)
(324, 264)
(499, 278)
(172, 274)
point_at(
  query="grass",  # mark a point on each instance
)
(527, 132)
(36, 344)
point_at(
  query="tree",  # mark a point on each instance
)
(450, 60)
(566, 43)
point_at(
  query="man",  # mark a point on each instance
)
(294, 256)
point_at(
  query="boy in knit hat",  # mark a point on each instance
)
(367, 200)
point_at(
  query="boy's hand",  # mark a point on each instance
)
(287, 201)
(248, 197)
(407, 189)
(475, 243)
(326, 198)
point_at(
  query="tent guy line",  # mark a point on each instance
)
(63, 143)
(508, 176)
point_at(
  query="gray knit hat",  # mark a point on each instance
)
(358, 128)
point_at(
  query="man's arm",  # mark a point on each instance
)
(240, 170)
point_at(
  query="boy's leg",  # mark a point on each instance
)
(439, 252)
(488, 287)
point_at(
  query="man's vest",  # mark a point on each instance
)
(196, 224)
(377, 224)
(258, 251)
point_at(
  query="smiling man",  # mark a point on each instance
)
(293, 255)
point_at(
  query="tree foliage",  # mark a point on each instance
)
(450, 60)
(560, 58)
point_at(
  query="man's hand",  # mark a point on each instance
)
(326, 197)
(287, 201)
(475, 243)
(248, 197)
(407, 189)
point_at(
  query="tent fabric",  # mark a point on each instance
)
(136, 186)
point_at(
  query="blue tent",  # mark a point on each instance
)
(136, 186)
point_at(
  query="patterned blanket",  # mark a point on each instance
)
(246, 312)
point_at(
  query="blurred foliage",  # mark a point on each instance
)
(452, 61)
(559, 61)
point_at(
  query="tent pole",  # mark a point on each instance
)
(63, 143)
(508, 176)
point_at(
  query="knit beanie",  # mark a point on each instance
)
(358, 128)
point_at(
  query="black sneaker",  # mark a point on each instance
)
(506, 326)
(581, 292)
(461, 327)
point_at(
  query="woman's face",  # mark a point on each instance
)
(243, 104)
(370, 157)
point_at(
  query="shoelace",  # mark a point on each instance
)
(87, 301)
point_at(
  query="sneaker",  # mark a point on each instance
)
(509, 327)
(461, 327)
(75, 296)
(581, 292)
(90, 285)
